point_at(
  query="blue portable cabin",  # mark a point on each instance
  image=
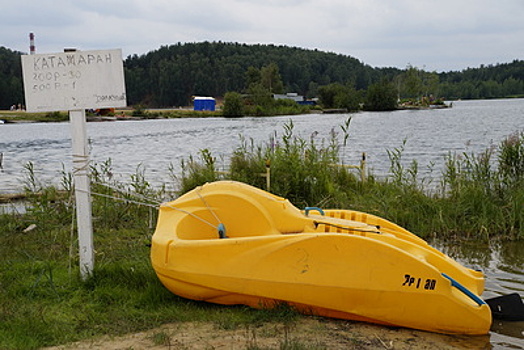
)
(204, 104)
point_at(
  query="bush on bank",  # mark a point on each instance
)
(479, 196)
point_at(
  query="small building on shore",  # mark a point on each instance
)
(293, 96)
(289, 96)
(201, 103)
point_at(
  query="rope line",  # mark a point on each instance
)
(155, 206)
(116, 189)
(190, 214)
(207, 205)
(316, 223)
(152, 203)
(80, 163)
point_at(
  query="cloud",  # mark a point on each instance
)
(37, 14)
(439, 35)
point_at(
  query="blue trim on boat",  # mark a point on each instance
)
(221, 230)
(464, 290)
(308, 209)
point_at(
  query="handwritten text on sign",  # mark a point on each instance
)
(74, 80)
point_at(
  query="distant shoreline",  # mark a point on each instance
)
(18, 117)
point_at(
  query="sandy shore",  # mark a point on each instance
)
(307, 333)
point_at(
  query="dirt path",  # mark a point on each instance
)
(307, 333)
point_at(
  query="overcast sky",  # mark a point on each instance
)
(432, 35)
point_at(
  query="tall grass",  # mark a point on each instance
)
(479, 196)
(485, 193)
(302, 170)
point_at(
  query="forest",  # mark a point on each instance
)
(171, 75)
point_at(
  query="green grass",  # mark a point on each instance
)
(18, 116)
(44, 302)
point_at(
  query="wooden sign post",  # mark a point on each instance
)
(82, 191)
(76, 81)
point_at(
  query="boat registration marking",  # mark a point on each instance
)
(418, 282)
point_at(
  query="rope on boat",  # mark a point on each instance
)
(219, 228)
(316, 223)
(207, 205)
(191, 214)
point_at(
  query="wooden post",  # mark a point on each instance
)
(268, 175)
(82, 192)
(363, 174)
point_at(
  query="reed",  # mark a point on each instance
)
(484, 193)
(479, 196)
(301, 169)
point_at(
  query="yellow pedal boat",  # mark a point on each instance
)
(230, 243)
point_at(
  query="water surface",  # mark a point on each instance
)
(470, 126)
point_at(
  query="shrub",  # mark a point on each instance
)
(301, 170)
(381, 97)
(233, 105)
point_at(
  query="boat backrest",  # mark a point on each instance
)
(243, 210)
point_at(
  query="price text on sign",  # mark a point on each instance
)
(74, 80)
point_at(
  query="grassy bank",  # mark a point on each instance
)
(25, 117)
(144, 113)
(139, 112)
(43, 302)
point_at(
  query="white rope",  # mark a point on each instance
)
(155, 206)
(207, 205)
(80, 163)
(190, 214)
(116, 189)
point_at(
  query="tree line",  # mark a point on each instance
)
(11, 87)
(171, 75)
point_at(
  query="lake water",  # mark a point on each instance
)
(430, 135)
(470, 126)
(503, 265)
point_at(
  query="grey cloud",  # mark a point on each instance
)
(440, 34)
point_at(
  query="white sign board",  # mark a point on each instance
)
(74, 80)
